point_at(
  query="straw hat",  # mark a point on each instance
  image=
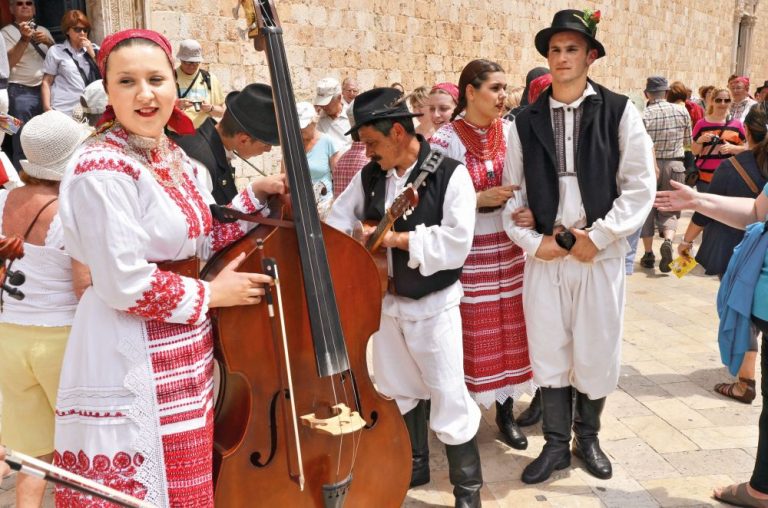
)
(49, 141)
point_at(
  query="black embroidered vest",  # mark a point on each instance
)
(408, 281)
(596, 158)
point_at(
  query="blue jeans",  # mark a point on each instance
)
(24, 102)
(630, 259)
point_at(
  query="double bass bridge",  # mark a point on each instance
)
(344, 421)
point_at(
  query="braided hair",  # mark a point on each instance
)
(474, 73)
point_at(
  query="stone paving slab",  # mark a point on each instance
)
(671, 438)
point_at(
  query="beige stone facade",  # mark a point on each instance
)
(423, 42)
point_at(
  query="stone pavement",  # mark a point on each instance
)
(671, 438)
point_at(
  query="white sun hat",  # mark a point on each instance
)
(307, 113)
(49, 141)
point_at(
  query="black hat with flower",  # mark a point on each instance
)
(585, 22)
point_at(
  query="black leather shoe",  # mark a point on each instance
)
(505, 420)
(416, 422)
(586, 446)
(532, 414)
(465, 473)
(557, 415)
(594, 458)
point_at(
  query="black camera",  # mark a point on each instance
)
(714, 140)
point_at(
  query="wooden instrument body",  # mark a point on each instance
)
(253, 395)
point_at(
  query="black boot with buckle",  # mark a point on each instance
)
(586, 446)
(532, 414)
(556, 406)
(465, 473)
(505, 420)
(416, 422)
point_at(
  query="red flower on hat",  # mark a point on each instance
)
(590, 19)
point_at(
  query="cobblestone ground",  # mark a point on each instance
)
(671, 438)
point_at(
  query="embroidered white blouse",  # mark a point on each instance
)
(137, 372)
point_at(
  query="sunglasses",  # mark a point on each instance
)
(722, 101)
(80, 29)
(28, 4)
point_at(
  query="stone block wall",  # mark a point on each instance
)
(415, 43)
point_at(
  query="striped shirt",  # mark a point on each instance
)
(669, 126)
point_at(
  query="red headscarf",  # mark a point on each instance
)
(179, 122)
(448, 88)
(742, 79)
(537, 86)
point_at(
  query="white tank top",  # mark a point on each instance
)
(49, 299)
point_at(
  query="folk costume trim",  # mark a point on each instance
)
(486, 150)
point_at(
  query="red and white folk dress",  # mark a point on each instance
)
(496, 362)
(134, 408)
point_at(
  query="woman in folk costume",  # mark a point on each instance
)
(496, 363)
(134, 407)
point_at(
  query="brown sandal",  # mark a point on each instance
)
(728, 390)
(740, 497)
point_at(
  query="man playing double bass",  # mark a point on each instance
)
(417, 352)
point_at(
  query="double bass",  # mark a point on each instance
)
(298, 421)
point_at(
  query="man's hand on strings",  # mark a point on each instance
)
(266, 186)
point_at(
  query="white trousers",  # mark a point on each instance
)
(414, 360)
(574, 316)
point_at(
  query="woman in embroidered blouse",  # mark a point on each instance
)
(134, 407)
(496, 363)
(68, 65)
(34, 330)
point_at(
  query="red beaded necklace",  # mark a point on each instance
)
(473, 141)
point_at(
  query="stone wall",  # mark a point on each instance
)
(415, 43)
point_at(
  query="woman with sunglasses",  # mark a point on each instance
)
(716, 137)
(69, 66)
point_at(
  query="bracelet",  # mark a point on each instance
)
(685, 242)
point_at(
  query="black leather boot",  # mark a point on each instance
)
(586, 446)
(532, 413)
(556, 408)
(505, 420)
(465, 473)
(416, 421)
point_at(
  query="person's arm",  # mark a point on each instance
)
(347, 208)
(5, 469)
(691, 233)
(527, 238)
(45, 91)
(443, 246)
(16, 51)
(731, 211)
(636, 183)
(81, 278)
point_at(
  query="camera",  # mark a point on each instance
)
(197, 105)
(715, 140)
(31, 24)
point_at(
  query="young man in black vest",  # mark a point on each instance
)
(417, 353)
(585, 166)
(248, 128)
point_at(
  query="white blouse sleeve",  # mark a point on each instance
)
(101, 215)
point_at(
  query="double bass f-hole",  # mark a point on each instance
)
(269, 266)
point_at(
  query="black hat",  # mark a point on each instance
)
(656, 84)
(254, 109)
(379, 104)
(759, 88)
(585, 22)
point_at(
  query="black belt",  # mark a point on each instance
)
(488, 209)
(24, 86)
(678, 159)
